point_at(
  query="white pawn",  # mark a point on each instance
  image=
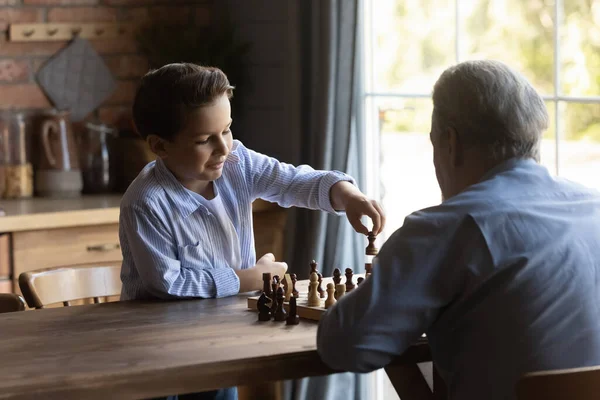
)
(330, 295)
(340, 290)
(313, 294)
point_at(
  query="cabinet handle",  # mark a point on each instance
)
(104, 247)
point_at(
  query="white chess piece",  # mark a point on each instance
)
(313, 295)
(340, 290)
(330, 295)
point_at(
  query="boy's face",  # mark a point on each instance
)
(197, 154)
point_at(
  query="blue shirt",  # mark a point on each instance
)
(504, 278)
(172, 241)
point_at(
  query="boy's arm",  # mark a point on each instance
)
(162, 273)
(288, 185)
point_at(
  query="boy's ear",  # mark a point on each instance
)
(157, 145)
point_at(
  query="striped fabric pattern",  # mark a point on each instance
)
(170, 240)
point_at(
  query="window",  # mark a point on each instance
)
(408, 43)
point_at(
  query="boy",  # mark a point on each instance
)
(186, 220)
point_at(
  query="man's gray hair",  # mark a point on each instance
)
(492, 107)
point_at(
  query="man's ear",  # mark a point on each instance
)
(456, 152)
(157, 145)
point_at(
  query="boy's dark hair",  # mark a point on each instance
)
(167, 95)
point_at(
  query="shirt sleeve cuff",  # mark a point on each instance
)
(327, 182)
(227, 283)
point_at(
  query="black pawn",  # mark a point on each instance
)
(359, 280)
(337, 276)
(295, 292)
(319, 288)
(313, 268)
(264, 313)
(293, 318)
(280, 313)
(349, 284)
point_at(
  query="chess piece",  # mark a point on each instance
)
(295, 292)
(371, 250)
(349, 284)
(267, 284)
(313, 267)
(280, 313)
(293, 318)
(313, 293)
(340, 290)
(368, 269)
(359, 280)
(319, 288)
(274, 285)
(330, 295)
(273, 302)
(337, 276)
(264, 313)
(287, 286)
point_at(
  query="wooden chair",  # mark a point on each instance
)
(10, 302)
(67, 284)
(561, 384)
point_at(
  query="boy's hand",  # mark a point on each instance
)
(251, 278)
(267, 263)
(346, 197)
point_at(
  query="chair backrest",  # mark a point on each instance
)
(10, 302)
(66, 284)
(561, 384)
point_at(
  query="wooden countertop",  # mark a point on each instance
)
(47, 213)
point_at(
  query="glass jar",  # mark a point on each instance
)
(97, 158)
(17, 171)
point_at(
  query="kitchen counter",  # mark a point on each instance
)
(49, 213)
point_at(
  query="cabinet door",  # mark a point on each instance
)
(97, 244)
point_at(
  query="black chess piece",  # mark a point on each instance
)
(368, 268)
(371, 250)
(319, 288)
(337, 276)
(264, 312)
(280, 313)
(267, 284)
(293, 318)
(349, 284)
(295, 292)
(274, 302)
(359, 280)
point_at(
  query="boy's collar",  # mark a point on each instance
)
(185, 203)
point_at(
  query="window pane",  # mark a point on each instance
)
(548, 147)
(413, 43)
(407, 173)
(579, 145)
(580, 48)
(517, 32)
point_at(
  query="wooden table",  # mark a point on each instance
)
(147, 349)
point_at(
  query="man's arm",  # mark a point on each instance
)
(412, 280)
(163, 274)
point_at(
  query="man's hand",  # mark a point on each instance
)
(346, 197)
(251, 278)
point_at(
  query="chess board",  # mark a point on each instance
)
(302, 309)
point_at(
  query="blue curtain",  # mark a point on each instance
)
(330, 97)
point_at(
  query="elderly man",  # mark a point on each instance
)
(503, 276)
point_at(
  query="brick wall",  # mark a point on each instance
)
(19, 61)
